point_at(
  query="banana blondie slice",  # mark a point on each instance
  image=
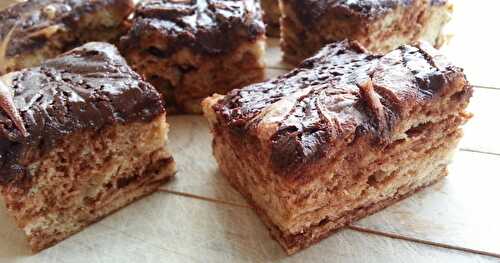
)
(80, 136)
(36, 30)
(190, 49)
(342, 136)
(379, 25)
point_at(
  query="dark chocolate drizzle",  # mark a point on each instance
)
(310, 11)
(88, 88)
(337, 95)
(204, 26)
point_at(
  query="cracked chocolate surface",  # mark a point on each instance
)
(339, 94)
(204, 26)
(88, 88)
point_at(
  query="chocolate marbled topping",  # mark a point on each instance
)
(205, 26)
(88, 88)
(340, 93)
(34, 21)
(310, 11)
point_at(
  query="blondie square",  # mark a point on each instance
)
(190, 49)
(36, 30)
(342, 136)
(81, 136)
(379, 25)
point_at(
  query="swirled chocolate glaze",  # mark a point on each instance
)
(86, 89)
(310, 11)
(337, 95)
(34, 21)
(204, 26)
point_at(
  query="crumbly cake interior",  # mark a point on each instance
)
(55, 35)
(391, 137)
(186, 77)
(378, 32)
(88, 176)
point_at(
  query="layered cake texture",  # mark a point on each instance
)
(340, 137)
(379, 25)
(191, 49)
(80, 136)
(36, 30)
